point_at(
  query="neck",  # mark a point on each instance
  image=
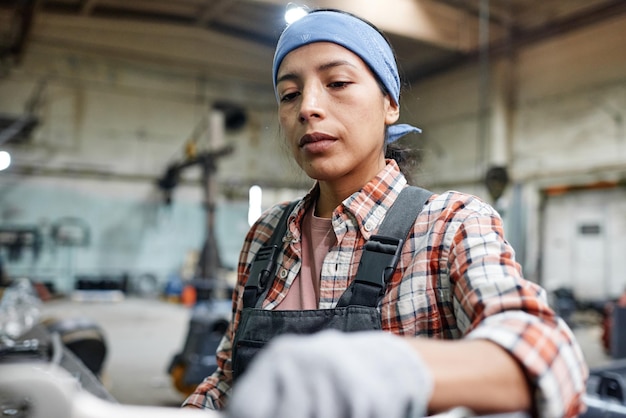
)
(327, 201)
(331, 194)
(335, 190)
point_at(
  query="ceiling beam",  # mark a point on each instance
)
(87, 7)
(213, 10)
(499, 12)
(176, 10)
(427, 21)
(159, 43)
(604, 11)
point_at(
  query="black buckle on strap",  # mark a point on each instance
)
(379, 252)
(378, 262)
(261, 271)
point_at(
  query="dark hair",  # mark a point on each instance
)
(407, 158)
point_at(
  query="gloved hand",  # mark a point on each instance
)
(334, 375)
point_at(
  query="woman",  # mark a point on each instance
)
(463, 328)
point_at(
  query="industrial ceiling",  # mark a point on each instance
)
(233, 39)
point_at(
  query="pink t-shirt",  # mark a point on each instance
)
(318, 237)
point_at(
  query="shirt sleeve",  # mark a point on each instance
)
(492, 301)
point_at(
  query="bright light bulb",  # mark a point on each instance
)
(294, 13)
(5, 160)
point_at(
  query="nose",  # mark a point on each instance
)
(311, 104)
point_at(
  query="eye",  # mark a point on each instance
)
(339, 84)
(289, 96)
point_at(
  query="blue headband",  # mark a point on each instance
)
(355, 35)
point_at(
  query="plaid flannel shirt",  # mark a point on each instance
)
(457, 278)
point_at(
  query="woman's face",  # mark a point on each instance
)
(333, 114)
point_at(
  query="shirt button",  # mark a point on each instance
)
(283, 273)
(369, 225)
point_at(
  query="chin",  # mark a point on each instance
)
(324, 169)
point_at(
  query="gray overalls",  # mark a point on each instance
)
(357, 309)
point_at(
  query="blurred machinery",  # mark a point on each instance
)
(44, 390)
(212, 309)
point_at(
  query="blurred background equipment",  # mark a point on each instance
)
(16, 240)
(31, 390)
(25, 338)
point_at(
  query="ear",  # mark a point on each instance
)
(392, 111)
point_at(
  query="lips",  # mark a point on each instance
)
(314, 138)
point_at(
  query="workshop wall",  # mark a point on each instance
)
(110, 116)
(127, 229)
(567, 99)
(107, 130)
(553, 114)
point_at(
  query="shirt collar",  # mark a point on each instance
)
(370, 204)
(367, 206)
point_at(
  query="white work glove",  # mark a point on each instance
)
(332, 374)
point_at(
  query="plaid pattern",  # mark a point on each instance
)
(457, 278)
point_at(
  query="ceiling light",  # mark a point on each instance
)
(295, 12)
(5, 160)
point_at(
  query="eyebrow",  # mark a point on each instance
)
(322, 67)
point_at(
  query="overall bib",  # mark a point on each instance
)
(357, 309)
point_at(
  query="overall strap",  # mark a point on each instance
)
(382, 251)
(264, 264)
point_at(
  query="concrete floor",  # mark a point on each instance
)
(143, 334)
